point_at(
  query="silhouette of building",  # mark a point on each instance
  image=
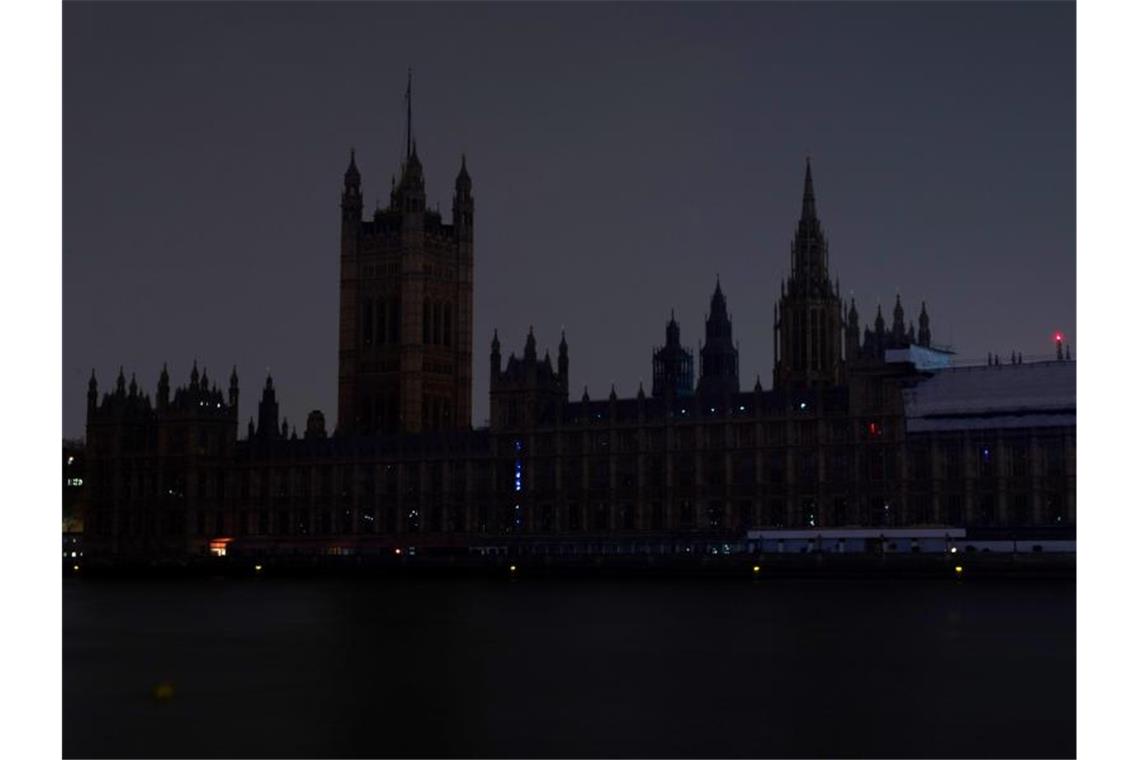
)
(808, 325)
(857, 430)
(405, 306)
(672, 365)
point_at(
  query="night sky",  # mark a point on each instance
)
(622, 156)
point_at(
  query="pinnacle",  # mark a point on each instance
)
(808, 211)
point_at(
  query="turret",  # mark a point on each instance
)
(351, 199)
(672, 364)
(121, 382)
(315, 425)
(463, 205)
(134, 389)
(194, 376)
(92, 393)
(898, 326)
(563, 364)
(164, 388)
(529, 352)
(924, 327)
(234, 390)
(267, 410)
(719, 358)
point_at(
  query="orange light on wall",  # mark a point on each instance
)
(218, 546)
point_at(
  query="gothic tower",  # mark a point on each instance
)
(672, 365)
(529, 391)
(720, 374)
(809, 319)
(405, 306)
(267, 411)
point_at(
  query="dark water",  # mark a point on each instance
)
(570, 668)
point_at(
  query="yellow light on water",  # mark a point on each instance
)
(755, 568)
(513, 568)
(958, 569)
(257, 568)
(75, 568)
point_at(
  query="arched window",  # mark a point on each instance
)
(427, 322)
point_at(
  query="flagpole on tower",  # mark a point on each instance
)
(408, 98)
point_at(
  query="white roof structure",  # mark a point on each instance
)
(1040, 394)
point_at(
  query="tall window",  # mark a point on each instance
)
(381, 321)
(394, 321)
(366, 319)
(447, 324)
(427, 322)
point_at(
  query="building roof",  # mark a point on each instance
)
(1040, 394)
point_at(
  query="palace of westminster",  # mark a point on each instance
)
(862, 426)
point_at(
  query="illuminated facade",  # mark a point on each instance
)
(858, 429)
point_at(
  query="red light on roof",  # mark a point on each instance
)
(1058, 337)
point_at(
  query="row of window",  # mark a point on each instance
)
(622, 471)
(1050, 508)
(380, 321)
(436, 323)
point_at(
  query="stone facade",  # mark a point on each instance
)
(832, 443)
(405, 308)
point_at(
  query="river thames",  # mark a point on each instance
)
(606, 667)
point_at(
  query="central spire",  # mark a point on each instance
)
(808, 211)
